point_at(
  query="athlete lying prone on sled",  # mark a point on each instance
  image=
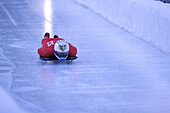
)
(56, 48)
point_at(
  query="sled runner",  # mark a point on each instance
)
(55, 58)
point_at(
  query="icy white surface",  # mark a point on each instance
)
(7, 104)
(149, 20)
(115, 72)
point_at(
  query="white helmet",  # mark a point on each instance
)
(61, 49)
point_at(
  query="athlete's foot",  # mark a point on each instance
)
(55, 36)
(47, 35)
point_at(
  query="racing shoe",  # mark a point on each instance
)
(47, 35)
(55, 36)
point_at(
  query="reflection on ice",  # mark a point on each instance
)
(48, 16)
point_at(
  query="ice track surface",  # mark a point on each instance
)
(115, 72)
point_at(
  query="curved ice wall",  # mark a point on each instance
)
(149, 20)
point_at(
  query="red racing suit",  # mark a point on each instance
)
(47, 49)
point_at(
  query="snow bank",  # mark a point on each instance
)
(149, 20)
